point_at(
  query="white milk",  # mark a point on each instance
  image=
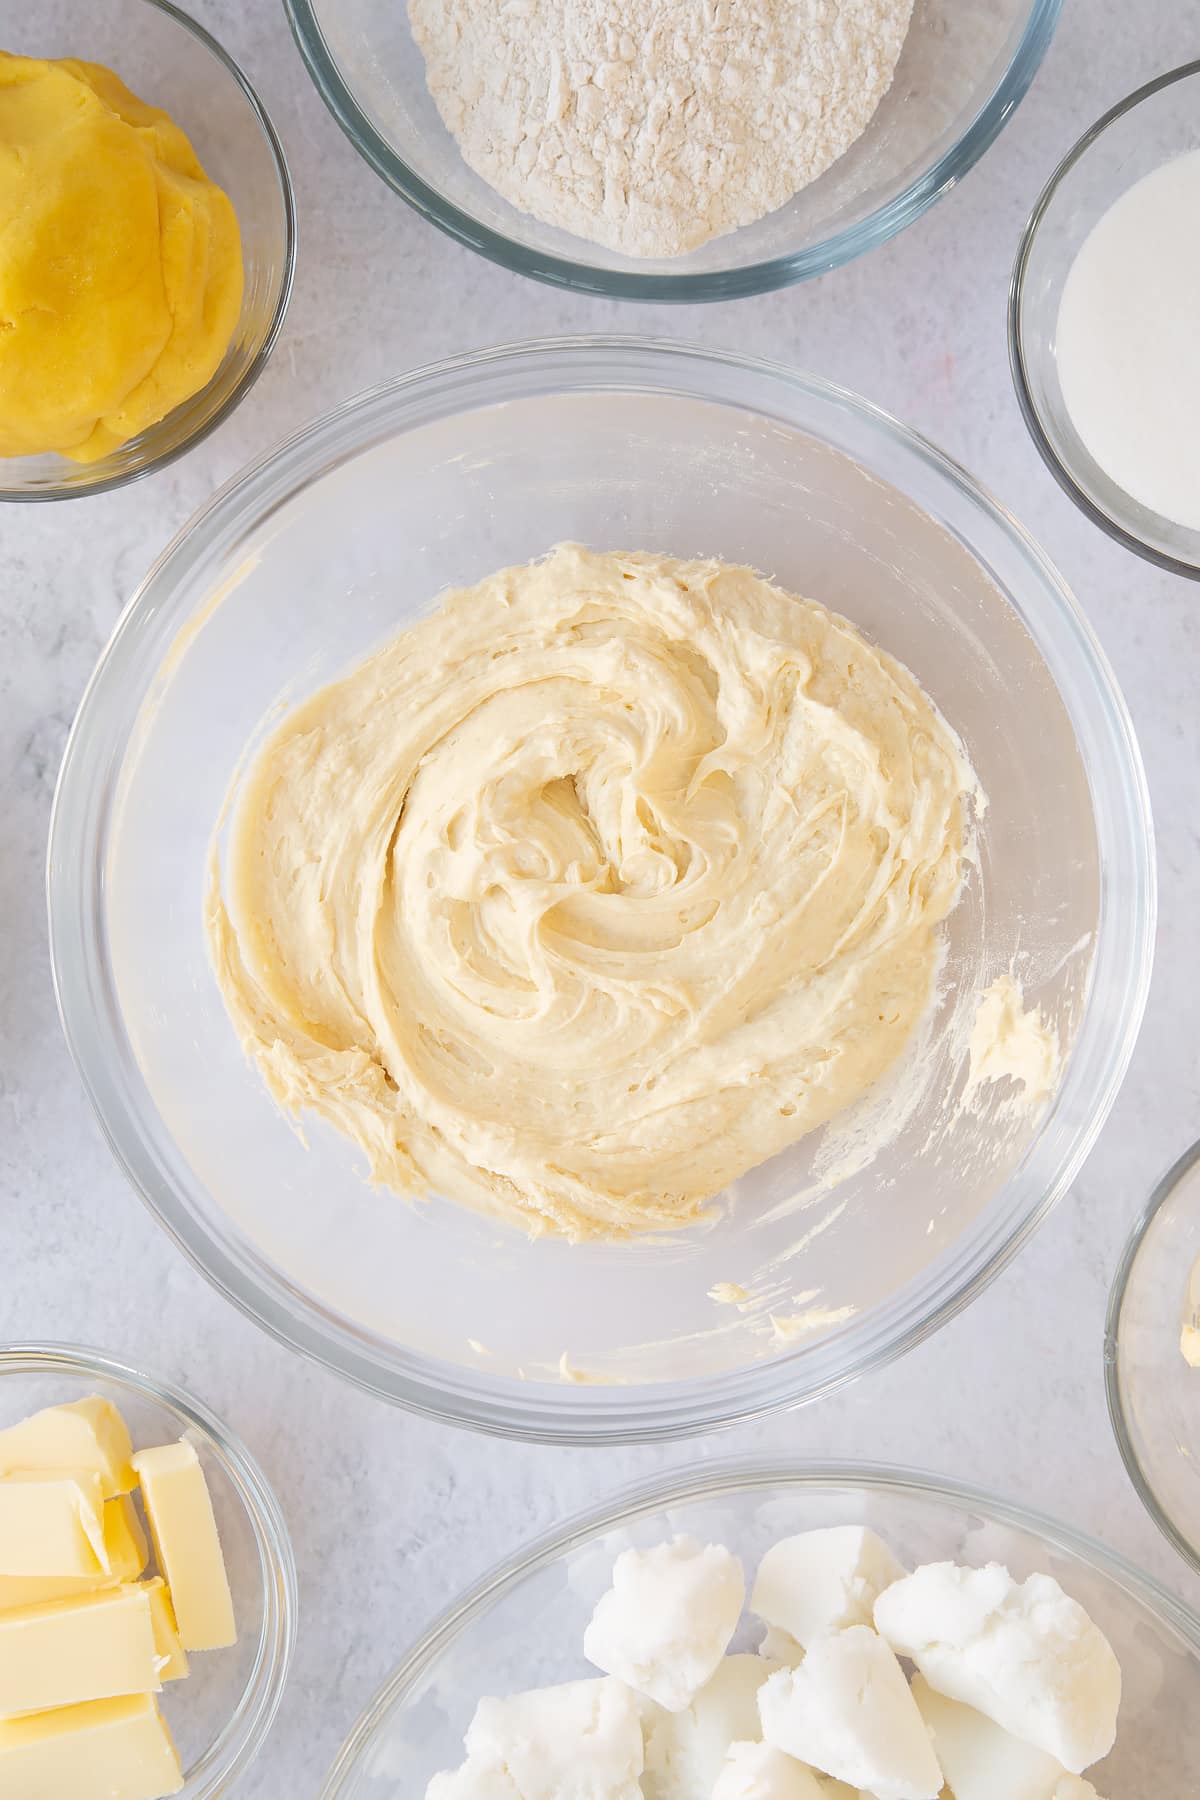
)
(1129, 341)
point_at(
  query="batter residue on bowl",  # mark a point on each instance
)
(592, 890)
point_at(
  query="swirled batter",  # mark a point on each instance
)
(600, 885)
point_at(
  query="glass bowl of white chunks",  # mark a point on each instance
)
(804, 1632)
(147, 1587)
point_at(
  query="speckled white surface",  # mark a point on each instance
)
(390, 1515)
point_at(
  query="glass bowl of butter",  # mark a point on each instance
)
(524, 1627)
(148, 1592)
(1152, 1355)
(145, 151)
(856, 1239)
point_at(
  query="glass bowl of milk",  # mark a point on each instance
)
(1104, 322)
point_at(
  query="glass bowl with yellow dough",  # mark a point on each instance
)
(220, 1715)
(148, 249)
(822, 1261)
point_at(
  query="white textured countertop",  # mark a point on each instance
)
(390, 1515)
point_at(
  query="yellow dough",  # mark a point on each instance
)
(120, 262)
(603, 883)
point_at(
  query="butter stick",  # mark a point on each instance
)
(93, 1648)
(52, 1524)
(124, 1539)
(169, 1652)
(106, 1750)
(127, 1551)
(84, 1434)
(187, 1545)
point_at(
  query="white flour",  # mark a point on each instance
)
(651, 126)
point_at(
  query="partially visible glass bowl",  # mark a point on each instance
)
(322, 551)
(1136, 136)
(1153, 1394)
(219, 1716)
(523, 1625)
(172, 62)
(966, 66)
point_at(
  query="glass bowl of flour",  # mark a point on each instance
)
(824, 1260)
(663, 150)
(1104, 322)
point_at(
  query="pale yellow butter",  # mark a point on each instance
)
(118, 1749)
(169, 1652)
(84, 1434)
(127, 1551)
(124, 1539)
(52, 1524)
(95, 1647)
(187, 1545)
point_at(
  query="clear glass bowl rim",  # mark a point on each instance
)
(1018, 360)
(1118, 1417)
(715, 1481)
(254, 368)
(77, 853)
(729, 284)
(261, 1699)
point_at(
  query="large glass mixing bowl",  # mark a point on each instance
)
(523, 1625)
(965, 68)
(323, 550)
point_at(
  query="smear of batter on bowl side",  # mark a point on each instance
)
(1011, 1042)
(592, 890)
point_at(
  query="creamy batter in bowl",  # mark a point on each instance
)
(585, 895)
(824, 1260)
